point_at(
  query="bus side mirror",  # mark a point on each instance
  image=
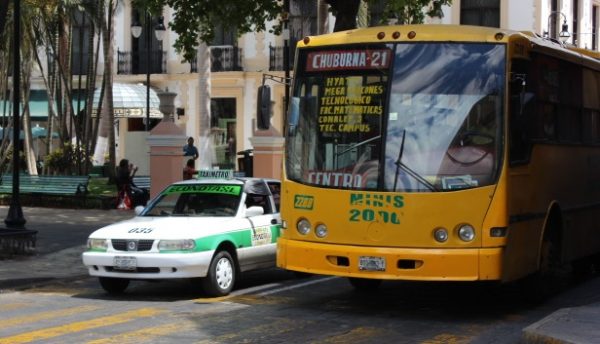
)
(263, 107)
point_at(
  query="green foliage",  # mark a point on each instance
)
(64, 160)
(195, 20)
(411, 11)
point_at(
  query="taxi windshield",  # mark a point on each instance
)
(200, 200)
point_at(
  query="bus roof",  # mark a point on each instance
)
(453, 33)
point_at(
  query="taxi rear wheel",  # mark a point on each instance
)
(114, 285)
(221, 275)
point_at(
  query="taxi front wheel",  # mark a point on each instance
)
(221, 275)
(114, 285)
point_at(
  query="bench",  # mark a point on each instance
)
(142, 182)
(46, 184)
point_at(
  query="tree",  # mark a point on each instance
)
(194, 20)
(3, 12)
(405, 11)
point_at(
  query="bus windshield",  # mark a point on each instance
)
(403, 117)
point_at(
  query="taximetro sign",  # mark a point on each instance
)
(348, 59)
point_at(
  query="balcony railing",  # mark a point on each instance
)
(223, 58)
(135, 62)
(276, 58)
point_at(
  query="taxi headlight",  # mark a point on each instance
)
(97, 244)
(466, 233)
(303, 226)
(177, 245)
(321, 230)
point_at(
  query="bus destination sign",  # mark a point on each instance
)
(347, 59)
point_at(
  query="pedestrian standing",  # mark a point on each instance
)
(189, 149)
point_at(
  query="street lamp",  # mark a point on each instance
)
(159, 31)
(564, 31)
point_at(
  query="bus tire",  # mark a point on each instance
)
(114, 285)
(301, 275)
(364, 284)
(583, 268)
(546, 281)
(221, 275)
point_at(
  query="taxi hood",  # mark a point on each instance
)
(145, 227)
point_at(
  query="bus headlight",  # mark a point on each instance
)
(466, 233)
(321, 230)
(440, 235)
(303, 226)
(97, 244)
(176, 245)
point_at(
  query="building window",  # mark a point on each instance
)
(224, 35)
(302, 22)
(594, 27)
(82, 27)
(146, 53)
(222, 129)
(575, 21)
(480, 12)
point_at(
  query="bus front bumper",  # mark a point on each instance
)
(418, 264)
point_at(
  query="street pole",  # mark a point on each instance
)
(286, 57)
(149, 52)
(14, 218)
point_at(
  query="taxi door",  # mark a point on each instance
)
(264, 230)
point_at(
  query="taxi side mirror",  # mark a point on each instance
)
(254, 211)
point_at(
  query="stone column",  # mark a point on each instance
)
(166, 142)
(268, 148)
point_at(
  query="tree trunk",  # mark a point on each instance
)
(106, 139)
(205, 148)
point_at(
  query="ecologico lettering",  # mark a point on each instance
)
(205, 188)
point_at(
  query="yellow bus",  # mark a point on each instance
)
(440, 153)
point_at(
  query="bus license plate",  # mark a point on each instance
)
(125, 263)
(371, 263)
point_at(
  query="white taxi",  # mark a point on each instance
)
(208, 228)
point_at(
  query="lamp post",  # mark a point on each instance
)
(159, 31)
(564, 31)
(14, 218)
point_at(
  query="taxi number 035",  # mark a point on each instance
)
(140, 230)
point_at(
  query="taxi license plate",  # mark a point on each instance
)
(125, 263)
(368, 263)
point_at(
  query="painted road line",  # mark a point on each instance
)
(146, 334)
(53, 332)
(296, 286)
(262, 287)
(356, 335)
(13, 306)
(32, 318)
(236, 293)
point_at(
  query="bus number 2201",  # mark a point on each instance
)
(370, 215)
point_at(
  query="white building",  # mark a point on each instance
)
(238, 64)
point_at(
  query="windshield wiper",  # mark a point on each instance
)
(359, 144)
(400, 165)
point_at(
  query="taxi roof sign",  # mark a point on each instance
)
(215, 174)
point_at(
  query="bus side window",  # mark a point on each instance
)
(521, 113)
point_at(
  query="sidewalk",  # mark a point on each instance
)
(62, 236)
(60, 240)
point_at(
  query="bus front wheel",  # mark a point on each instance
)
(364, 284)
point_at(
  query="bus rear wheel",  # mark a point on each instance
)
(364, 284)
